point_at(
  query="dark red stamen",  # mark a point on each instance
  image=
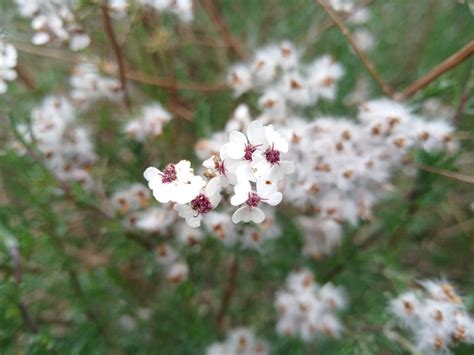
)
(249, 150)
(253, 199)
(272, 155)
(201, 204)
(169, 174)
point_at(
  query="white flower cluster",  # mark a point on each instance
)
(8, 61)
(65, 147)
(89, 86)
(149, 123)
(54, 21)
(343, 165)
(240, 341)
(275, 71)
(437, 317)
(183, 9)
(306, 309)
(250, 165)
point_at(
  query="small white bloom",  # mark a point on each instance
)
(266, 192)
(176, 183)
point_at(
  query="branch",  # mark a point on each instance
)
(118, 52)
(460, 56)
(449, 174)
(387, 90)
(228, 293)
(219, 22)
(25, 78)
(317, 31)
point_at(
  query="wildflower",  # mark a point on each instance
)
(8, 61)
(149, 123)
(266, 192)
(437, 317)
(201, 204)
(176, 183)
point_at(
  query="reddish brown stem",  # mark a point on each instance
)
(221, 25)
(365, 60)
(25, 77)
(460, 56)
(118, 53)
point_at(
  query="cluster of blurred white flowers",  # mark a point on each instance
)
(343, 166)
(65, 146)
(276, 71)
(88, 85)
(149, 123)
(8, 61)
(54, 21)
(182, 9)
(240, 341)
(308, 310)
(437, 317)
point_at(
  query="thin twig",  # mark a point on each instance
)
(317, 31)
(367, 63)
(25, 77)
(167, 83)
(118, 53)
(458, 114)
(221, 25)
(449, 174)
(457, 58)
(228, 293)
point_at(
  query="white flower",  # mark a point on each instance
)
(323, 76)
(202, 203)
(240, 79)
(176, 183)
(149, 123)
(177, 272)
(8, 61)
(269, 163)
(266, 192)
(218, 170)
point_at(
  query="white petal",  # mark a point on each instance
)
(257, 215)
(241, 193)
(238, 138)
(242, 214)
(274, 199)
(151, 173)
(256, 133)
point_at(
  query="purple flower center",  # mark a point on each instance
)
(253, 199)
(272, 155)
(249, 149)
(169, 174)
(201, 204)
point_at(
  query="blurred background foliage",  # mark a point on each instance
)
(89, 288)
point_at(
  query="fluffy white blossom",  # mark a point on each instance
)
(308, 310)
(54, 21)
(65, 146)
(183, 9)
(239, 341)
(149, 123)
(437, 317)
(176, 183)
(89, 86)
(8, 61)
